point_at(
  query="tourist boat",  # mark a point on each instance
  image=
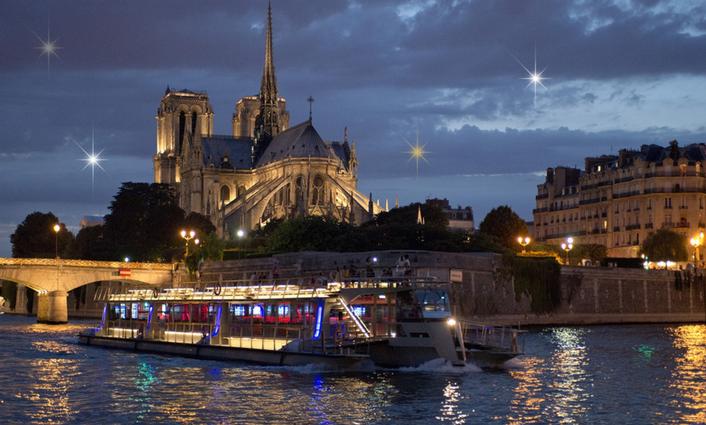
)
(391, 322)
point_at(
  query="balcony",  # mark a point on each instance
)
(673, 174)
(626, 194)
(632, 227)
(649, 225)
(616, 228)
(680, 225)
(589, 201)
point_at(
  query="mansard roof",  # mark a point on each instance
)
(300, 141)
(226, 152)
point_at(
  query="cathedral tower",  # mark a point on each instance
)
(182, 115)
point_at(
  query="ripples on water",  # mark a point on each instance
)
(605, 374)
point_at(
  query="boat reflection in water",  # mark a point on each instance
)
(388, 322)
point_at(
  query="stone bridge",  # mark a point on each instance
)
(54, 278)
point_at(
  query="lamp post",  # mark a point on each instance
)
(568, 246)
(524, 241)
(241, 235)
(56, 229)
(187, 235)
(696, 242)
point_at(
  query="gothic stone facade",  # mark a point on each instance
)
(264, 170)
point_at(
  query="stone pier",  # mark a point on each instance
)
(52, 307)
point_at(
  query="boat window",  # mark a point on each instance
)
(237, 310)
(359, 310)
(408, 308)
(434, 303)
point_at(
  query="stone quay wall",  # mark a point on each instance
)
(481, 291)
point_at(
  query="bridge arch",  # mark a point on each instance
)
(53, 279)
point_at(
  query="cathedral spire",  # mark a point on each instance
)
(268, 86)
(267, 122)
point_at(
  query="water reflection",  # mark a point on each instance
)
(569, 390)
(48, 393)
(450, 409)
(526, 404)
(689, 375)
(636, 374)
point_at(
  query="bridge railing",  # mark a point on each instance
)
(53, 262)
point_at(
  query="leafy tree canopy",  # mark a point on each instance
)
(35, 237)
(144, 223)
(505, 225)
(200, 223)
(665, 245)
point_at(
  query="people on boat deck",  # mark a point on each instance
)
(205, 336)
(337, 327)
(403, 267)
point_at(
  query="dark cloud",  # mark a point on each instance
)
(383, 68)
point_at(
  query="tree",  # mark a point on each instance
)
(144, 223)
(200, 223)
(505, 225)
(665, 245)
(91, 245)
(35, 237)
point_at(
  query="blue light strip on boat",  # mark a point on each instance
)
(105, 313)
(318, 320)
(149, 317)
(217, 326)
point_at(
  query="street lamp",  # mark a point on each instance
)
(240, 233)
(524, 242)
(56, 229)
(568, 246)
(187, 235)
(696, 242)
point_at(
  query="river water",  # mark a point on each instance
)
(635, 374)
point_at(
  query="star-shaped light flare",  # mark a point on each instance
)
(92, 159)
(48, 47)
(417, 152)
(534, 78)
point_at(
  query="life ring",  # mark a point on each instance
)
(217, 289)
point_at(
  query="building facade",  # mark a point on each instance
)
(264, 170)
(618, 200)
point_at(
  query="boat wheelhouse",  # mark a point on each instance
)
(388, 322)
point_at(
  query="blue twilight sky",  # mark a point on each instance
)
(622, 73)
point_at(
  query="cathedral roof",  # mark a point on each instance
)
(300, 141)
(226, 152)
(342, 151)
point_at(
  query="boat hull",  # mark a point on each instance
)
(211, 352)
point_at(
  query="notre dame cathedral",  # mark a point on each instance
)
(265, 170)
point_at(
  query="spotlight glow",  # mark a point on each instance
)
(92, 159)
(417, 152)
(534, 78)
(48, 47)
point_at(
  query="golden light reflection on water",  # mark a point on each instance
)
(689, 374)
(450, 409)
(526, 404)
(568, 392)
(48, 394)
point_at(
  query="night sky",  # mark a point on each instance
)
(621, 73)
